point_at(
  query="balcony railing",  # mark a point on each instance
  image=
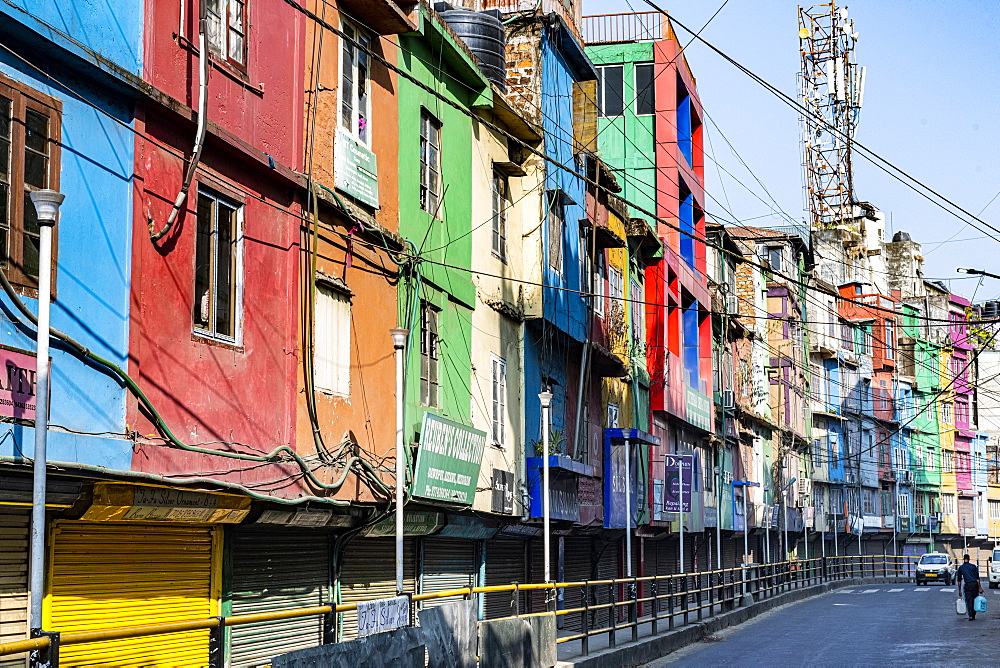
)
(613, 28)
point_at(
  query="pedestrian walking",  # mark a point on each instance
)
(968, 577)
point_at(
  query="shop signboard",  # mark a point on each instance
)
(448, 461)
(678, 472)
(355, 170)
(698, 409)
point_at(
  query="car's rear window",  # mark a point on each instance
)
(934, 559)
(996, 555)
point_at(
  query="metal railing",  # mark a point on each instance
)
(605, 606)
(634, 27)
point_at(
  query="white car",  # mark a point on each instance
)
(935, 567)
(994, 569)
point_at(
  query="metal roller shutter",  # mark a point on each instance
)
(447, 563)
(14, 527)
(369, 572)
(116, 575)
(536, 597)
(607, 569)
(273, 570)
(732, 550)
(578, 565)
(505, 564)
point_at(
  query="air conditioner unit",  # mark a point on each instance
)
(732, 304)
(906, 477)
(727, 477)
(728, 400)
(920, 520)
(805, 486)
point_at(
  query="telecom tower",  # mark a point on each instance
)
(831, 87)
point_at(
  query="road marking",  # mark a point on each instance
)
(948, 589)
(922, 589)
(869, 591)
(893, 591)
(851, 591)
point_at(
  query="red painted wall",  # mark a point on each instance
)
(209, 392)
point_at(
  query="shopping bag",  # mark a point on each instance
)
(960, 608)
(979, 604)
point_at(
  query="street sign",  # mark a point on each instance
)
(679, 473)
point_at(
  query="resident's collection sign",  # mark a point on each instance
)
(17, 385)
(448, 461)
(383, 614)
(355, 170)
(678, 473)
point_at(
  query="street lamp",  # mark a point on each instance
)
(546, 400)
(718, 517)
(747, 598)
(399, 335)
(47, 203)
(784, 502)
(976, 272)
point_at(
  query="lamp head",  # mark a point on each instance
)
(399, 335)
(545, 398)
(47, 204)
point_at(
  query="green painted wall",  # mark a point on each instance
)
(445, 239)
(626, 143)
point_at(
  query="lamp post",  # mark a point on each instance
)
(976, 272)
(47, 204)
(767, 527)
(747, 598)
(546, 399)
(399, 335)
(718, 518)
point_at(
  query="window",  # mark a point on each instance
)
(948, 504)
(616, 285)
(498, 392)
(637, 312)
(428, 354)
(29, 161)
(837, 501)
(332, 358)
(611, 90)
(994, 510)
(500, 203)
(612, 416)
(355, 114)
(430, 163)
(847, 336)
(890, 339)
(226, 29)
(868, 501)
(599, 272)
(947, 461)
(645, 91)
(903, 507)
(962, 412)
(946, 413)
(885, 499)
(774, 258)
(218, 273)
(556, 230)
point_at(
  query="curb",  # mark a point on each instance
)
(662, 644)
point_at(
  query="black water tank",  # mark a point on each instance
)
(991, 310)
(483, 33)
(901, 236)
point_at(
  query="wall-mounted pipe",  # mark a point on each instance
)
(199, 142)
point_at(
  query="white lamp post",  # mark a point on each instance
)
(399, 335)
(47, 204)
(546, 399)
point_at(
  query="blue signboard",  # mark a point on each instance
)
(614, 475)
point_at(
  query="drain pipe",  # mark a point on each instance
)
(199, 142)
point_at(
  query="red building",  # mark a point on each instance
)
(214, 313)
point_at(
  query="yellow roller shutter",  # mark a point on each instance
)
(116, 574)
(14, 524)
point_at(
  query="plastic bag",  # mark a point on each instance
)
(979, 605)
(960, 608)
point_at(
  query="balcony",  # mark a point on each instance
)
(616, 28)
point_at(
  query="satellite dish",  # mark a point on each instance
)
(843, 13)
(803, 33)
(855, 36)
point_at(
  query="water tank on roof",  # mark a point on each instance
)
(901, 236)
(483, 33)
(991, 310)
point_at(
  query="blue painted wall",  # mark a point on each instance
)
(111, 28)
(94, 248)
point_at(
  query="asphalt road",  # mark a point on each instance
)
(882, 625)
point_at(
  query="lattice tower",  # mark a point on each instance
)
(831, 87)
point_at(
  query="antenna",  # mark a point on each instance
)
(831, 87)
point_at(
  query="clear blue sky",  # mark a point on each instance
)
(931, 107)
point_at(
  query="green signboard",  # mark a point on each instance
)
(355, 170)
(415, 523)
(448, 461)
(699, 409)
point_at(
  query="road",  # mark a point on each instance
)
(898, 624)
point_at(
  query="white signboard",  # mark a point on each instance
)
(383, 614)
